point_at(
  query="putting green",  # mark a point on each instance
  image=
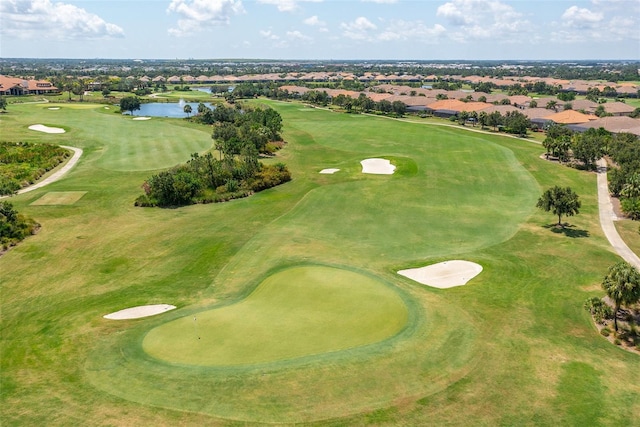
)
(297, 312)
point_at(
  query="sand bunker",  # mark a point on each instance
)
(54, 108)
(142, 118)
(46, 129)
(140, 311)
(377, 166)
(445, 274)
(329, 171)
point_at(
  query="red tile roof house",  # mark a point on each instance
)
(16, 86)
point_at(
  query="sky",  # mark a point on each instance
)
(321, 29)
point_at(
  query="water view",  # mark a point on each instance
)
(168, 109)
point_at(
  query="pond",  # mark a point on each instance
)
(168, 109)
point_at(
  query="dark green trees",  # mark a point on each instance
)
(130, 103)
(561, 201)
(622, 285)
(241, 135)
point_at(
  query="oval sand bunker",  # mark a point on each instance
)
(377, 166)
(46, 129)
(140, 311)
(445, 274)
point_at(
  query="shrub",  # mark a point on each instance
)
(14, 227)
(631, 207)
(617, 341)
(605, 332)
(144, 201)
(598, 309)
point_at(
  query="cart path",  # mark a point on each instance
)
(608, 216)
(77, 152)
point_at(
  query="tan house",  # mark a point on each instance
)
(570, 117)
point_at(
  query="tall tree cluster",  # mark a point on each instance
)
(240, 133)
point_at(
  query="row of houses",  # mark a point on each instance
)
(540, 111)
(579, 86)
(16, 86)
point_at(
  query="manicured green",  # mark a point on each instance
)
(512, 347)
(296, 312)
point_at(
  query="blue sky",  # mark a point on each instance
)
(321, 29)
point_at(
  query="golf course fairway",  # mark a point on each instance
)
(296, 312)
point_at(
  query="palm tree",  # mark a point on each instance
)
(552, 105)
(631, 188)
(622, 285)
(188, 110)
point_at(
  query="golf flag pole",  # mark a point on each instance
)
(195, 326)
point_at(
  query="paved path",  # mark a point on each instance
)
(607, 217)
(77, 152)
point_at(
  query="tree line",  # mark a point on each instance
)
(583, 149)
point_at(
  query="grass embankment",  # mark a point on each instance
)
(513, 346)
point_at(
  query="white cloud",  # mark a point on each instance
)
(358, 29)
(484, 19)
(408, 30)
(287, 5)
(611, 21)
(314, 21)
(268, 34)
(197, 14)
(28, 19)
(581, 17)
(297, 35)
(381, 1)
(453, 13)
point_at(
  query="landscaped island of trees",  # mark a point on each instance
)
(241, 134)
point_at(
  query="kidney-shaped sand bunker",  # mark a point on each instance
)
(297, 312)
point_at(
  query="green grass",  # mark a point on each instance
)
(512, 347)
(59, 198)
(293, 313)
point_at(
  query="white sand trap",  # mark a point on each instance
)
(46, 129)
(329, 171)
(377, 166)
(54, 108)
(142, 118)
(107, 108)
(444, 274)
(140, 311)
